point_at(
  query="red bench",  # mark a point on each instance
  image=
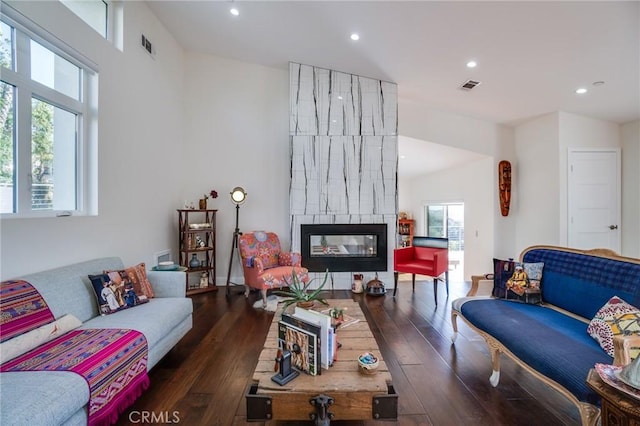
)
(428, 256)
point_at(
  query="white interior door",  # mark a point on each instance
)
(594, 198)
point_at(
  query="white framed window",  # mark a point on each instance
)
(48, 124)
(104, 16)
(94, 12)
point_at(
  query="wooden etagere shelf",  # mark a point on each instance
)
(405, 232)
(197, 239)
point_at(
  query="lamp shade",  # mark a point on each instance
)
(238, 195)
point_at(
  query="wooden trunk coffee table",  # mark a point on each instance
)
(341, 392)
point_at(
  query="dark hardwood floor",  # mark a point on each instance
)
(202, 381)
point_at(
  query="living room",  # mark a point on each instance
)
(147, 170)
(181, 122)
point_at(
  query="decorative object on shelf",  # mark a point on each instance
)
(504, 186)
(298, 292)
(204, 280)
(356, 286)
(199, 242)
(403, 215)
(238, 196)
(202, 202)
(194, 262)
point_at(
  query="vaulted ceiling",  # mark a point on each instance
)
(531, 56)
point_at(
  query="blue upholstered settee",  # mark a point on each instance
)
(58, 397)
(551, 340)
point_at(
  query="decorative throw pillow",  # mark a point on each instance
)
(113, 297)
(502, 271)
(615, 318)
(137, 275)
(517, 281)
(31, 339)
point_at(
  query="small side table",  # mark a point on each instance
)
(618, 408)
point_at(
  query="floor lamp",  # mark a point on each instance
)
(238, 195)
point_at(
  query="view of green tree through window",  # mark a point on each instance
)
(45, 96)
(7, 156)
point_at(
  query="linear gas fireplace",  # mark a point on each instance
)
(344, 247)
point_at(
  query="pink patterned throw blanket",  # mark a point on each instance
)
(21, 309)
(112, 361)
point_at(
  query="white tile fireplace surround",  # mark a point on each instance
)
(344, 156)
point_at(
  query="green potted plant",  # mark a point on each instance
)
(298, 292)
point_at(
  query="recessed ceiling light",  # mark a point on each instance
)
(355, 37)
(472, 64)
(339, 97)
(581, 91)
(234, 11)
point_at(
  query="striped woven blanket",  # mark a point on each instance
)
(112, 361)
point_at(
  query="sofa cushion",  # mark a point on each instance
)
(615, 318)
(153, 319)
(35, 397)
(552, 343)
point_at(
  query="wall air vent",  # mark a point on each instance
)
(146, 45)
(469, 84)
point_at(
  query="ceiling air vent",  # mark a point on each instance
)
(469, 84)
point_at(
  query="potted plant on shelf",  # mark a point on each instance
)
(298, 292)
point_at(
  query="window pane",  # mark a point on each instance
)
(54, 71)
(53, 157)
(6, 46)
(93, 12)
(435, 221)
(7, 148)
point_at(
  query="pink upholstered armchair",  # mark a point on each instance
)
(265, 266)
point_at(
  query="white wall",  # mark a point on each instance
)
(577, 131)
(471, 184)
(630, 136)
(541, 148)
(140, 150)
(536, 176)
(237, 133)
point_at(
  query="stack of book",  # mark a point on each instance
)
(310, 338)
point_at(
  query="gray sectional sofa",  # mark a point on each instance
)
(39, 398)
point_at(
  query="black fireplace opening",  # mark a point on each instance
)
(344, 247)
